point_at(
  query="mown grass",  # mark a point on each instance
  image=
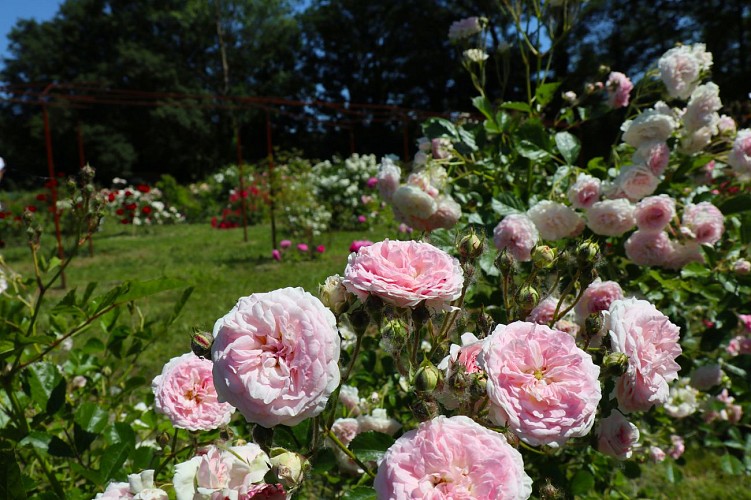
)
(222, 267)
(217, 263)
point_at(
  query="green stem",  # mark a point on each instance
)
(330, 434)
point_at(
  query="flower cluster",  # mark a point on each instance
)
(139, 205)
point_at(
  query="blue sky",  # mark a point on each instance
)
(12, 10)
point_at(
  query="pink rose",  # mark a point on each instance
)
(636, 181)
(276, 357)
(276, 255)
(739, 345)
(405, 274)
(540, 384)
(115, 491)
(653, 213)
(641, 332)
(585, 192)
(739, 157)
(619, 90)
(680, 68)
(611, 217)
(452, 458)
(678, 447)
(265, 492)
(464, 355)
(362, 219)
(372, 182)
(597, 297)
(555, 221)
(726, 125)
(320, 249)
(648, 249)
(139, 487)
(185, 393)
(742, 267)
(656, 454)
(745, 322)
(704, 221)
(655, 155)
(285, 244)
(302, 247)
(464, 28)
(683, 254)
(388, 179)
(616, 436)
(350, 398)
(358, 244)
(518, 234)
(221, 471)
(701, 111)
(544, 312)
(707, 376)
(653, 125)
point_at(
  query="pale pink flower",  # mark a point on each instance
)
(285, 244)
(445, 216)
(694, 141)
(742, 267)
(263, 492)
(611, 217)
(347, 429)
(656, 454)
(388, 178)
(185, 393)
(739, 157)
(567, 327)
(597, 297)
(452, 458)
(115, 491)
(655, 155)
(404, 274)
(213, 471)
(726, 125)
(441, 147)
(707, 376)
(704, 221)
(350, 398)
(372, 183)
(730, 413)
(683, 254)
(745, 322)
(276, 255)
(636, 181)
(616, 436)
(585, 192)
(139, 487)
(653, 125)
(518, 234)
(555, 221)
(677, 448)
(739, 345)
(544, 312)
(648, 248)
(362, 219)
(540, 384)
(302, 247)
(682, 400)
(619, 90)
(276, 356)
(653, 213)
(464, 28)
(464, 355)
(701, 111)
(641, 332)
(681, 67)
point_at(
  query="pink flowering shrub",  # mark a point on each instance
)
(452, 458)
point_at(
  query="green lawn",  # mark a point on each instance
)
(218, 263)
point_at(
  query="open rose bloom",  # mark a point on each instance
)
(185, 393)
(452, 458)
(540, 383)
(404, 274)
(641, 332)
(276, 357)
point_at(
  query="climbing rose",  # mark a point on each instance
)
(611, 217)
(681, 67)
(597, 297)
(540, 384)
(704, 221)
(648, 248)
(276, 357)
(654, 213)
(619, 89)
(518, 234)
(555, 221)
(452, 458)
(641, 332)
(185, 393)
(405, 274)
(585, 192)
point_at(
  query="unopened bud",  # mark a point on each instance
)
(550, 492)
(479, 384)
(470, 247)
(593, 325)
(527, 298)
(742, 267)
(360, 320)
(333, 294)
(588, 253)
(200, 344)
(615, 364)
(163, 439)
(543, 256)
(89, 189)
(427, 378)
(485, 323)
(288, 466)
(87, 172)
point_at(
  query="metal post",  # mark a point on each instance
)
(53, 179)
(270, 153)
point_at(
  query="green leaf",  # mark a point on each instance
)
(11, 483)
(45, 381)
(569, 146)
(673, 474)
(484, 106)
(695, 270)
(731, 465)
(439, 127)
(517, 106)
(324, 460)
(36, 439)
(91, 418)
(139, 289)
(582, 482)
(737, 204)
(531, 151)
(180, 304)
(360, 493)
(112, 460)
(487, 263)
(544, 93)
(371, 445)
